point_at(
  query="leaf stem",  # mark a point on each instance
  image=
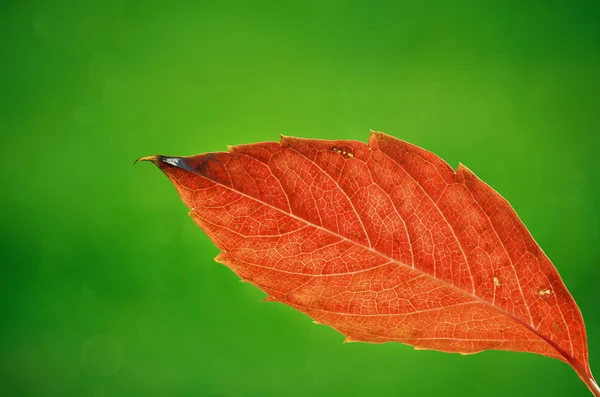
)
(594, 388)
(592, 385)
(587, 378)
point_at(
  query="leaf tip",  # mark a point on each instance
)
(154, 158)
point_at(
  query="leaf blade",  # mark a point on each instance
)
(384, 242)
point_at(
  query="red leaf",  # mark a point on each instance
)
(383, 242)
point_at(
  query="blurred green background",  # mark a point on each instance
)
(108, 288)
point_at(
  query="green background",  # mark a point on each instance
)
(108, 288)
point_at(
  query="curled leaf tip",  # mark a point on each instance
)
(153, 158)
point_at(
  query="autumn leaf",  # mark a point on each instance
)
(383, 242)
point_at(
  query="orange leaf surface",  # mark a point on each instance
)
(383, 242)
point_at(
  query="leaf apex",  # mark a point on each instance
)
(153, 158)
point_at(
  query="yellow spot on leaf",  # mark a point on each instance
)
(543, 292)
